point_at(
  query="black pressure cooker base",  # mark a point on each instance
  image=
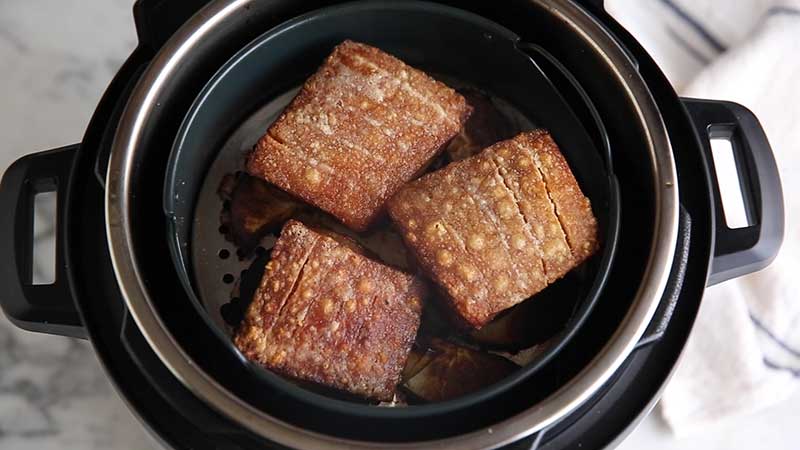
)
(189, 330)
(85, 300)
(163, 402)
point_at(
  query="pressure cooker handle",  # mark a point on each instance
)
(44, 308)
(739, 251)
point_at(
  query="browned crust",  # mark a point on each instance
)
(289, 256)
(514, 245)
(573, 209)
(522, 217)
(336, 317)
(519, 173)
(494, 235)
(360, 127)
(420, 212)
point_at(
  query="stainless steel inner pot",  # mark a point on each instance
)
(174, 63)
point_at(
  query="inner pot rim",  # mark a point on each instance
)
(165, 69)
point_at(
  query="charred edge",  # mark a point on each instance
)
(538, 165)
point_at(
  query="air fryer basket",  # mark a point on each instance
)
(237, 105)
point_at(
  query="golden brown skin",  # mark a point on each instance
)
(523, 178)
(327, 314)
(360, 128)
(572, 208)
(498, 227)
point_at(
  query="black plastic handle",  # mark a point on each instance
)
(44, 308)
(739, 251)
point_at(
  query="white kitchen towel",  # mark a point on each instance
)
(744, 352)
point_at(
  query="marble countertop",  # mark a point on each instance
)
(58, 56)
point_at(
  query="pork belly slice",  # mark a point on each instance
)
(326, 313)
(363, 125)
(446, 371)
(498, 227)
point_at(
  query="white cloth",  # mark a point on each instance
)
(744, 352)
